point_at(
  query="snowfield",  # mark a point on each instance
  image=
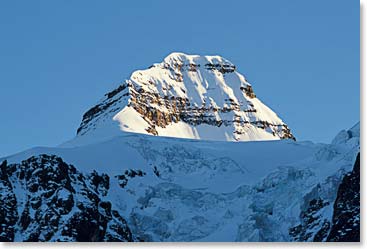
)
(172, 189)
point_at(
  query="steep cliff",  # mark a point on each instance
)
(188, 96)
(45, 199)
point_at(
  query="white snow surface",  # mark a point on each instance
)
(202, 87)
(213, 190)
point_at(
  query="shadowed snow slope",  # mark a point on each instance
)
(187, 96)
(140, 187)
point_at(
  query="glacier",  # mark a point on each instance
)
(138, 187)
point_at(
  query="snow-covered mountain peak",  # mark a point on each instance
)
(181, 58)
(187, 96)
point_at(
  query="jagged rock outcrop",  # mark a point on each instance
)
(187, 96)
(45, 199)
(8, 206)
(344, 204)
(346, 216)
(314, 226)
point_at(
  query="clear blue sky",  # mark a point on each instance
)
(58, 58)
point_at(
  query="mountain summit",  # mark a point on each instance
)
(111, 183)
(187, 96)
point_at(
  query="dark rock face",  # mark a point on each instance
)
(311, 219)
(45, 199)
(346, 216)
(223, 68)
(95, 112)
(8, 206)
(129, 174)
(344, 226)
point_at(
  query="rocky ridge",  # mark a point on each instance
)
(45, 199)
(195, 91)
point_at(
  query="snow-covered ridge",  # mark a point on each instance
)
(144, 188)
(188, 96)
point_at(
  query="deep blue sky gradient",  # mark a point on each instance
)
(58, 58)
